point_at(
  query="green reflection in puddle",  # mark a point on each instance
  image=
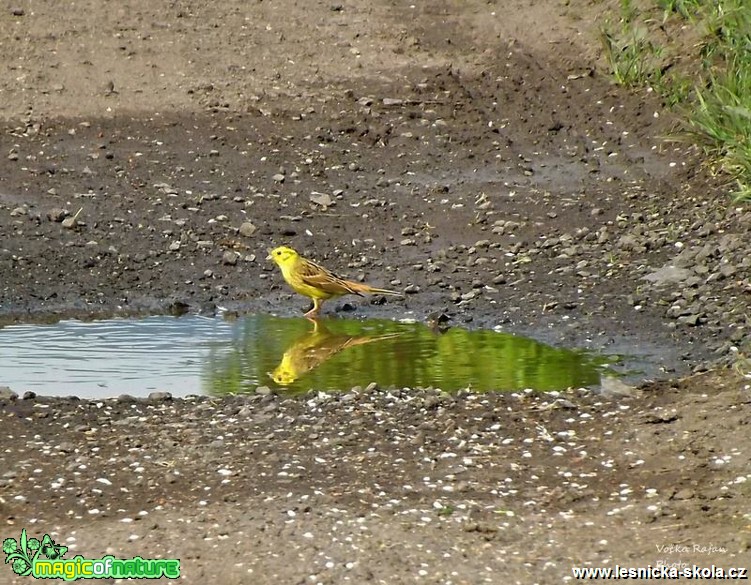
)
(296, 355)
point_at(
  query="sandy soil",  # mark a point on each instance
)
(472, 153)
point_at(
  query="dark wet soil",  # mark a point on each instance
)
(473, 155)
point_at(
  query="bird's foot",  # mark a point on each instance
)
(312, 315)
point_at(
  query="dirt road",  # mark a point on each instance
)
(472, 153)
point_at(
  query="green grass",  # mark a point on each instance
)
(633, 58)
(708, 82)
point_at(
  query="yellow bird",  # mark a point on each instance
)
(316, 282)
(316, 347)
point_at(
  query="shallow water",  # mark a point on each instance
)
(201, 355)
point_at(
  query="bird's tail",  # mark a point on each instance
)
(365, 288)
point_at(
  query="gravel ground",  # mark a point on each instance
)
(473, 156)
(394, 486)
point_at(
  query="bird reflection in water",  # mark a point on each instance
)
(316, 347)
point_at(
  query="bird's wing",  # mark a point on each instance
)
(319, 277)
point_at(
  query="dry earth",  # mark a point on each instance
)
(473, 154)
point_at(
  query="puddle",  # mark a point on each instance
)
(201, 355)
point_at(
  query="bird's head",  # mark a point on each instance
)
(283, 376)
(282, 255)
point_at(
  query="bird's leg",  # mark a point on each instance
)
(313, 313)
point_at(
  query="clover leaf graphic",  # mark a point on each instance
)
(51, 550)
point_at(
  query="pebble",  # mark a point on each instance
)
(668, 274)
(160, 396)
(684, 494)
(7, 394)
(66, 447)
(229, 258)
(322, 199)
(57, 215)
(247, 229)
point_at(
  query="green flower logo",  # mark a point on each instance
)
(9, 546)
(20, 566)
(22, 554)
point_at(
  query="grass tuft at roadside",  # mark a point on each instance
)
(694, 54)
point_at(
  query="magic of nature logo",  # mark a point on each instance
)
(44, 559)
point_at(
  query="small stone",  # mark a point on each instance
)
(247, 229)
(229, 258)
(160, 396)
(322, 199)
(691, 320)
(263, 390)
(684, 494)
(614, 388)
(66, 447)
(629, 242)
(727, 270)
(57, 215)
(278, 178)
(29, 395)
(668, 274)
(70, 223)
(7, 394)
(411, 289)
(437, 318)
